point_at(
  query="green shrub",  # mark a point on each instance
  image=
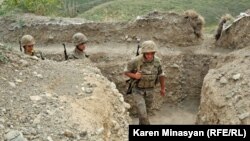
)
(123, 10)
(3, 58)
(69, 8)
(72, 8)
(40, 7)
(3, 51)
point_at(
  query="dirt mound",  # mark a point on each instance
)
(225, 91)
(70, 100)
(164, 27)
(236, 35)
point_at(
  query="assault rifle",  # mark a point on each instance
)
(138, 47)
(131, 82)
(20, 44)
(65, 52)
(41, 54)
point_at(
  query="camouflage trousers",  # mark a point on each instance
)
(143, 99)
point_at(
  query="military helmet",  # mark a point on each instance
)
(27, 40)
(148, 46)
(79, 38)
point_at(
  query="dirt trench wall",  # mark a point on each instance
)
(69, 100)
(184, 76)
(236, 36)
(225, 91)
(185, 73)
(166, 28)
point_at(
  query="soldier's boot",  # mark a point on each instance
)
(144, 121)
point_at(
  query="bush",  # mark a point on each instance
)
(69, 8)
(41, 7)
(3, 57)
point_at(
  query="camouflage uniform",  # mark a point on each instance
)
(28, 40)
(143, 89)
(77, 54)
(38, 54)
(78, 39)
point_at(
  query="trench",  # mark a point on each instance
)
(184, 78)
(184, 71)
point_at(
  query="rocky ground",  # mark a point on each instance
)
(48, 100)
(225, 91)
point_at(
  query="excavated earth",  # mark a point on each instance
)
(58, 100)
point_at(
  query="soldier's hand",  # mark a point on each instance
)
(137, 75)
(163, 92)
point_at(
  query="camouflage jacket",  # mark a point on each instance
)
(76, 54)
(37, 53)
(150, 71)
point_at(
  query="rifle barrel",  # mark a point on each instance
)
(65, 52)
(20, 44)
(137, 52)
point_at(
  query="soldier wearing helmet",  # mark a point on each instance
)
(28, 43)
(145, 69)
(79, 40)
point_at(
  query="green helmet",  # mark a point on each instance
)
(148, 46)
(79, 38)
(27, 40)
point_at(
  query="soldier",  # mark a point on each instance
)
(79, 40)
(224, 23)
(28, 42)
(145, 69)
(196, 21)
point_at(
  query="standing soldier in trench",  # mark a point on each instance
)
(28, 43)
(79, 40)
(145, 69)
